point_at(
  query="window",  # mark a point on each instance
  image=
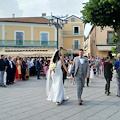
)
(76, 30)
(110, 37)
(44, 38)
(19, 36)
(72, 19)
(76, 44)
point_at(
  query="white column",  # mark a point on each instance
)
(32, 34)
(3, 33)
(3, 49)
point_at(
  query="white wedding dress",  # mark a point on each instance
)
(57, 92)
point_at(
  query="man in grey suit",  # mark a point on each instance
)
(82, 70)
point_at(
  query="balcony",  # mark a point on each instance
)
(27, 43)
(76, 47)
(72, 33)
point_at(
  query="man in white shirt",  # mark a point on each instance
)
(82, 70)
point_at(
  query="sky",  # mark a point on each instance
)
(35, 8)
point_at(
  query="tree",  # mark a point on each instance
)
(103, 13)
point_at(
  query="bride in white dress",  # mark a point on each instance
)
(56, 92)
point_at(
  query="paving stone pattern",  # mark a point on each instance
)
(26, 100)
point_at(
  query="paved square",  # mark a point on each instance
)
(26, 100)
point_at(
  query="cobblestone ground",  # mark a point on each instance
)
(26, 100)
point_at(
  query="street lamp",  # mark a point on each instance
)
(60, 23)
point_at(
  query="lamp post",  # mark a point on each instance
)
(60, 23)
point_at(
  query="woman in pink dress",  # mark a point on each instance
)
(16, 74)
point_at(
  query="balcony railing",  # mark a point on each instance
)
(76, 47)
(72, 33)
(27, 43)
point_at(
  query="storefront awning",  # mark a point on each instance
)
(29, 54)
(105, 48)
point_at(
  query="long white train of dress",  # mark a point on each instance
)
(57, 91)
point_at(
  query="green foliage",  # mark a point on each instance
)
(114, 50)
(102, 13)
(115, 38)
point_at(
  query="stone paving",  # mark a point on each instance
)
(26, 100)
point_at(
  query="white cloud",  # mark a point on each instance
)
(37, 7)
(9, 7)
(61, 7)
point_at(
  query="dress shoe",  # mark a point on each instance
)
(12, 83)
(107, 93)
(80, 102)
(118, 96)
(4, 86)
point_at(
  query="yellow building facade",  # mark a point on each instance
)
(33, 36)
(99, 42)
(73, 35)
(30, 36)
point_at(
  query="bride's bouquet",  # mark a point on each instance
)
(52, 66)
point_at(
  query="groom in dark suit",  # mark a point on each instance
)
(82, 70)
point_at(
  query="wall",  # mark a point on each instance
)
(68, 33)
(37, 31)
(9, 32)
(70, 25)
(68, 42)
(102, 53)
(0, 33)
(101, 35)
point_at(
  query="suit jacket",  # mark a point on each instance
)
(38, 66)
(8, 70)
(75, 67)
(24, 66)
(14, 67)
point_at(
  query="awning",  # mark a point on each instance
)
(29, 54)
(105, 48)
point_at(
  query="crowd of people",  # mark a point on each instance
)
(13, 69)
